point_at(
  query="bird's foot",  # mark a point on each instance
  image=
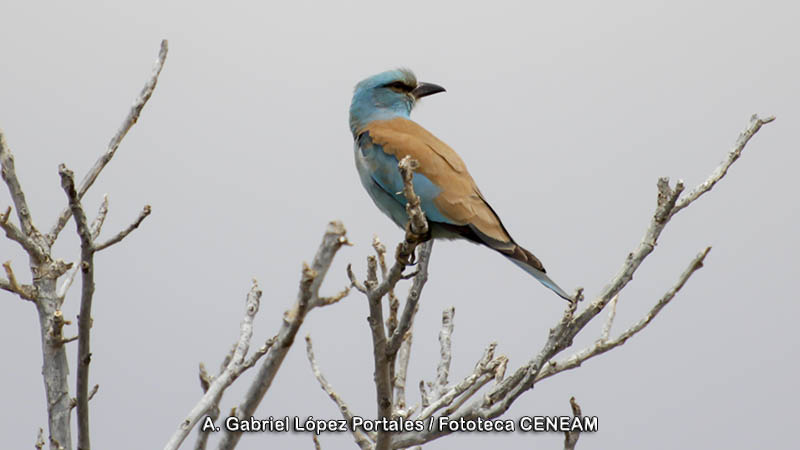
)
(416, 239)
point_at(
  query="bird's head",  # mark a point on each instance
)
(387, 95)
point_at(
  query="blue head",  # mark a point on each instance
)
(385, 96)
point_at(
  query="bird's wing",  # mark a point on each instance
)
(459, 200)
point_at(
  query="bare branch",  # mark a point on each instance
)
(722, 169)
(9, 174)
(25, 291)
(445, 352)
(412, 302)
(571, 437)
(95, 227)
(218, 385)
(308, 298)
(394, 303)
(485, 371)
(85, 316)
(604, 345)
(95, 388)
(401, 372)
(354, 281)
(40, 443)
(253, 359)
(325, 301)
(418, 222)
(612, 312)
(113, 145)
(28, 244)
(382, 361)
(361, 438)
(122, 234)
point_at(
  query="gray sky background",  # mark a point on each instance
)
(566, 114)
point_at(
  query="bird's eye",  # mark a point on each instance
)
(398, 86)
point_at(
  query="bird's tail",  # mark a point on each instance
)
(542, 277)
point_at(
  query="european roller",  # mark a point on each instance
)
(452, 202)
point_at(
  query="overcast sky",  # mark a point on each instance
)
(566, 114)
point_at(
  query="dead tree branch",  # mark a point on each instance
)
(571, 437)
(234, 368)
(308, 298)
(85, 317)
(363, 439)
(45, 272)
(116, 140)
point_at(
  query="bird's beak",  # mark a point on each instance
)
(426, 89)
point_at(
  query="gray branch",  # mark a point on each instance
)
(113, 145)
(122, 234)
(571, 437)
(308, 298)
(85, 317)
(96, 226)
(363, 440)
(236, 365)
(45, 271)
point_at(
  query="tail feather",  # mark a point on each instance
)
(542, 277)
(516, 254)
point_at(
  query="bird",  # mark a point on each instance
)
(455, 208)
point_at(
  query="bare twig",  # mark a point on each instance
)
(308, 298)
(485, 370)
(401, 372)
(234, 368)
(571, 437)
(418, 224)
(94, 390)
(253, 359)
(25, 291)
(9, 174)
(213, 413)
(354, 281)
(28, 236)
(412, 301)
(603, 345)
(612, 312)
(382, 361)
(95, 227)
(40, 443)
(113, 145)
(445, 351)
(85, 316)
(722, 169)
(394, 303)
(122, 234)
(361, 438)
